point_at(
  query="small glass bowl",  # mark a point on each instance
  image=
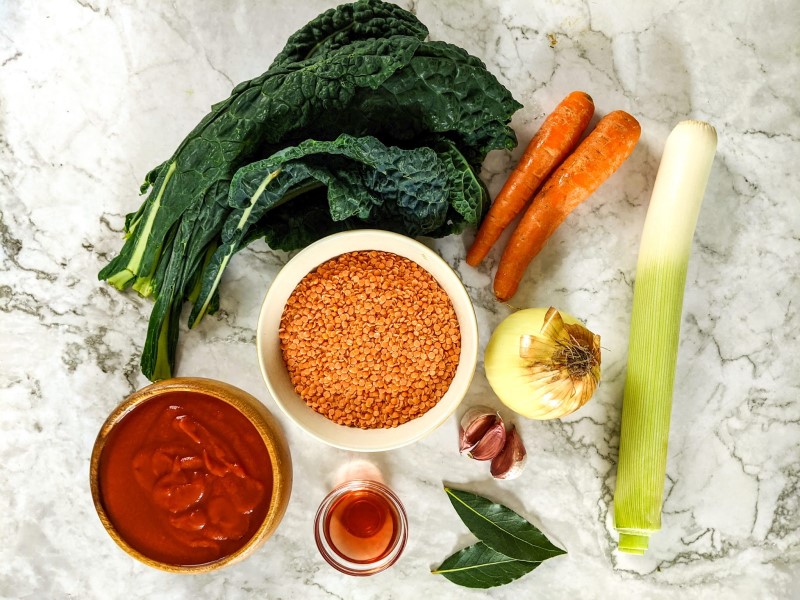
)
(326, 546)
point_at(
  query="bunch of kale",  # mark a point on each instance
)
(358, 122)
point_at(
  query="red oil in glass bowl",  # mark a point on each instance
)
(361, 527)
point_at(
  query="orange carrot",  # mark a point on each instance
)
(556, 138)
(594, 161)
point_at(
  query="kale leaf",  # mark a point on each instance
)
(259, 113)
(351, 91)
(443, 90)
(339, 27)
(410, 190)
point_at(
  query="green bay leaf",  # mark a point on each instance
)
(501, 528)
(478, 566)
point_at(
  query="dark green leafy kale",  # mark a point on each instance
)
(468, 197)
(365, 180)
(260, 113)
(341, 26)
(300, 223)
(412, 191)
(361, 69)
(442, 90)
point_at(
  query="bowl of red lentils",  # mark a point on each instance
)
(367, 340)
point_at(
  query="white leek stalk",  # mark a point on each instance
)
(655, 329)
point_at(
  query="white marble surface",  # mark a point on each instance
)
(93, 93)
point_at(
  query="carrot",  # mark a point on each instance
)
(594, 161)
(556, 138)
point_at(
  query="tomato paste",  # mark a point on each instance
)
(185, 478)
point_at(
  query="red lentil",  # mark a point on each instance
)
(370, 340)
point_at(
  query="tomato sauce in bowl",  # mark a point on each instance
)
(185, 479)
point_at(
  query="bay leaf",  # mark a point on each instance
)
(478, 566)
(501, 529)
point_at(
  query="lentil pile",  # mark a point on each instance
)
(370, 340)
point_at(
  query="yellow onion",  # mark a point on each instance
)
(543, 364)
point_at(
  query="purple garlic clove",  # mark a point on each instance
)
(510, 462)
(491, 443)
(474, 425)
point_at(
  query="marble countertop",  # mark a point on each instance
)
(94, 92)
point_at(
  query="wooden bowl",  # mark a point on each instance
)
(266, 426)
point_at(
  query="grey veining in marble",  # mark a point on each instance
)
(93, 93)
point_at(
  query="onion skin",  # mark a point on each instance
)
(509, 375)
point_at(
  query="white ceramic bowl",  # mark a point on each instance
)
(276, 375)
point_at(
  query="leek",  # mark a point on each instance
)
(655, 329)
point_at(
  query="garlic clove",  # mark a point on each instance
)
(491, 443)
(510, 462)
(474, 425)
